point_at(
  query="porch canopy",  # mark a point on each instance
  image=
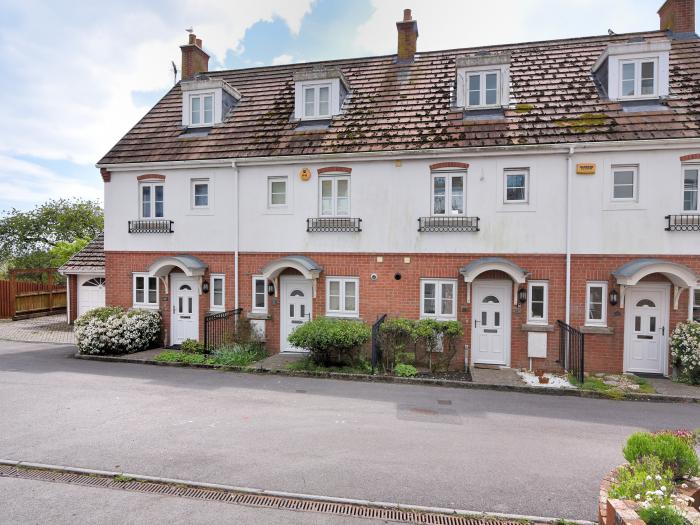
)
(190, 265)
(634, 271)
(306, 266)
(475, 268)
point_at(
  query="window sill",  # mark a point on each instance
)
(338, 315)
(597, 330)
(530, 327)
(259, 316)
(146, 306)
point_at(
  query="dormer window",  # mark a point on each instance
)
(319, 94)
(206, 101)
(483, 81)
(634, 71)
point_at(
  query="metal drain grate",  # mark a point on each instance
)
(252, 500)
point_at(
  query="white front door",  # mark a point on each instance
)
(91, 293)
(297, 294)
(646, 328)
(491, 322)
(185, 309)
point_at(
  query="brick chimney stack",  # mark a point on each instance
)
(194, 59)
(678, 16)
(408, 35)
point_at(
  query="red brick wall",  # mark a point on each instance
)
(678, 16)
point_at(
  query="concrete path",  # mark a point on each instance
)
(496, 376)
(469, 449)
(48, 329)
(666, 386)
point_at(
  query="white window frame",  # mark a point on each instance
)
(692, 305)
(482, 88)
(343, 311)
(638, 78)
(687, 167)
(152, 185)
(545, 300)
(201, 97)
(146, 278)
(438, 299)
(516, 171)
(270, 180)
(254, 308)
(334, 195)
(448, 175)
(603, 321)
(193, 201)
(212, 306)
(316, 87)
(635, 189)
(494, 64)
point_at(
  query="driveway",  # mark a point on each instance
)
(48, 329)
(470, 449)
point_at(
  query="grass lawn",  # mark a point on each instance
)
(597, 384)
(237, 355)
(307, 365)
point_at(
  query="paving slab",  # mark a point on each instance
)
(47, 329)
(496, 376)
(665, 386)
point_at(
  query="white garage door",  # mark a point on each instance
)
(91, 293)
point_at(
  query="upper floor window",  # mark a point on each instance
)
(319, 93)
(201, 109)
(145, 290)
(483, 81)
(638, 78)
(516, 185)
(537, 302)
(625, 182)
(483, 88)
(317, 101)
(152, 200)
(342, 296)
(690, 188)
(596, 306)
(448, 193)
(276, 192)
(334, 196)
(200, 193)
(218, 291)
(438, 298)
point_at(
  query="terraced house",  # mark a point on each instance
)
(508, 187)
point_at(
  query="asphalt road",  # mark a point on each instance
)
(470, 449)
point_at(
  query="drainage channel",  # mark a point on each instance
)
(356, 510)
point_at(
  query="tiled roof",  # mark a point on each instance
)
(89, 259)
(408, 107)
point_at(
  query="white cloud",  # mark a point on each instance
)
(282, 59)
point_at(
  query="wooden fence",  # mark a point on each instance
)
(26, 298)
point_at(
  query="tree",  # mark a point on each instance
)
(49, 234)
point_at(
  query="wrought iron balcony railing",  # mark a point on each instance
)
(151, 226)
(333, 224)
(683, 223)
(448, 224)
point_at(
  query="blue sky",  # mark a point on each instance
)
(75, 79)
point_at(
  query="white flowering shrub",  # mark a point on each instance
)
(113, 330)
(685, 350)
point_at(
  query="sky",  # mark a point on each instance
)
(75, 76)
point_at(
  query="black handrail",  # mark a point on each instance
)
(376, 348)
(151, 226)
(448, 224)
(687, 222)
(333, 224)
(220, 328)
(571, 350)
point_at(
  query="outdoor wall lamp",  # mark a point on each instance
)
(613, 297)
(522, 295)
(270, 288)
(205, 287)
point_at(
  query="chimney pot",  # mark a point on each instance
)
(194, 59)
(198, 43)
(192, 38)
(408, 36)
(677, 16)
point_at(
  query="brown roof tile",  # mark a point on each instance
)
(89, 259)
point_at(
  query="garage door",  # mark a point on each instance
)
(91, 293)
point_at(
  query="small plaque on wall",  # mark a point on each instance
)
(585, 168)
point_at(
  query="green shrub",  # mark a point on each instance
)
(171, 356)
(306, 364)
(110, 330)
(238, 355)
(331, 340)
(403, 370)
(395, 338)
(406, 358)
(661, 515)
(191, 346)
(674, 452)
(685, 351)
(103, 313)
(645, 481)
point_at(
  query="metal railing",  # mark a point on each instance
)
(683, 223)
(220, 328)
(448, 224)
(571, 350)
(333, 224)
(151, 226)
(376, 348)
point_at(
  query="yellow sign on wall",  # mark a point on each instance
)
(305, 174)
(585, 168)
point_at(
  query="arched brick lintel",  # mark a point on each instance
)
(151, 176)
(692, 156)
(443, 165)
(334, 169)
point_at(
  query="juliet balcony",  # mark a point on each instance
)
(333, 224)
(448, 224)
(151, 226)
(683, 223)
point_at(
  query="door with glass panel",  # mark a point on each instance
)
(491, 322)
(297, 294)
(646, 325)
(185, 309)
